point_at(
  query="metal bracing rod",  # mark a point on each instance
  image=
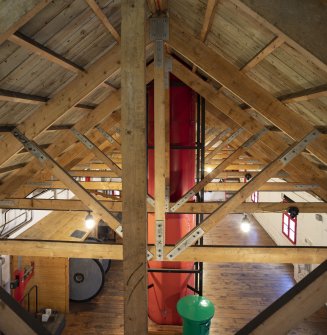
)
(211, 221)
(220, 168)
(223, 145)
(97, 152)
(107, 136)
(92, 203)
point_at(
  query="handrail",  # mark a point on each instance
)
(22, 319)
(28, 298)
(284, 299)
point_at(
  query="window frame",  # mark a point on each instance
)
(255, 197)
(286, 215)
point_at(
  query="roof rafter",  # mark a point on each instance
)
(102, 17)
(37, 48)
(62, 102)
(246, 89)
(14, 15)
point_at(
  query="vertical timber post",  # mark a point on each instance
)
(133, 112)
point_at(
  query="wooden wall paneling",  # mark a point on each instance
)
(51, 275)
(133, 113)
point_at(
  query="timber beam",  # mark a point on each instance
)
(250, 92)
(273, 143)
(14, 15)
(210, 222)
(306, 297)
(133, 114)
(187, 208)
(47, 162)
(210, 187)
(210, 254)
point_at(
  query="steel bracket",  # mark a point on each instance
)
(255, 138)
(30, 145)
(82, 138)
(185, 243)
(159, 28)
(299, 147)
(105, 134)
(182, 200)
(160, 236)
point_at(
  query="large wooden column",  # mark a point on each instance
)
(133, 112)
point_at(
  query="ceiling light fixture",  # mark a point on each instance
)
(89, 221)
(245, 224)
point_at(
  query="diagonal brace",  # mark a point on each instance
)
(92, 203)
(221, 167)
(279, 163)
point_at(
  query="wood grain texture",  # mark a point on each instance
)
(238, 291)
(51, 275)
(246, 89)
(14, 15)
(133, 113)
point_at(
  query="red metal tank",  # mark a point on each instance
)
(168, 288)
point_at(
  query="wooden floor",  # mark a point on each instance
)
(238, 291)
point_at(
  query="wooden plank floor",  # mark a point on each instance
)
(239, 291)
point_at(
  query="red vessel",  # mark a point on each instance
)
(168, 288)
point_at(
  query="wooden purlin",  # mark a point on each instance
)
(14, 15)
(62, 102)
(187, 208)
(49, 163)
(74, 152)
(51, 56)
(212, 187)
(263, 22)
(213, 219)
(60, 143)
(290, 122)
(220, 168)
(102, 17)
(274, 142)
(97, 152)
(222, 145)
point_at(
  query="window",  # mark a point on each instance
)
(289, 227)
(255, 196)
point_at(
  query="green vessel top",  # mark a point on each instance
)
(195, 308)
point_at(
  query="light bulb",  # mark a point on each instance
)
(89, 221)
(245, 224)
(209, 169)
(245, 227)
